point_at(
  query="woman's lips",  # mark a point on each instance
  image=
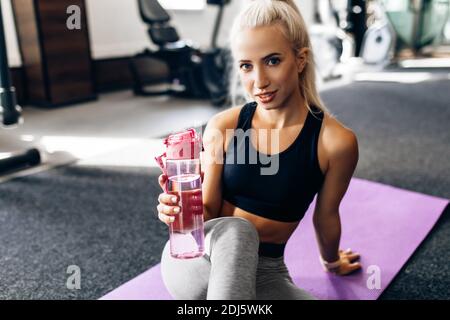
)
(267, 97)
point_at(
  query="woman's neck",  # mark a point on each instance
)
(292, 112)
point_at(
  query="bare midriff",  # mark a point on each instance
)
(269, 230)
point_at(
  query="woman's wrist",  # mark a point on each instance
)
(330, 266)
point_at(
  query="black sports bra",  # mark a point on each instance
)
(283, 196)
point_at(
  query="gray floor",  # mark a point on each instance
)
(117, 115)
(402, 131)
(97, 213)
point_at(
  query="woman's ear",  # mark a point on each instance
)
(302, 59)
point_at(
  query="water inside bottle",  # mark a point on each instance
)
(186, 232)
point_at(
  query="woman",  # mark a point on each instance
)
(250, 214)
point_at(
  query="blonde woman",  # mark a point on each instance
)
(251, 213)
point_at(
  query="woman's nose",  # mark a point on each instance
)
(261, 80)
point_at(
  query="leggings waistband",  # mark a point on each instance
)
(272, 250)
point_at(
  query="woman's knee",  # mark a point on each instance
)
(245, 227)
(236, 229)
(166, 267)
(185, 279)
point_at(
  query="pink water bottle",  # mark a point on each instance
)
(181, 164)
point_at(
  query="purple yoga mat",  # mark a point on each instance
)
(383, 223)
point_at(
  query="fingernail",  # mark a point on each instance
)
(176, 209)
(171, 219)
(174, 199)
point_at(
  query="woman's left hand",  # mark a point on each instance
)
(348, 264)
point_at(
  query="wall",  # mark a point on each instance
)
(119, 30)
(10, 34)
(116, 30)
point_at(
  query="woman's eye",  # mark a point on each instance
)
(245, 66)
(273, 61)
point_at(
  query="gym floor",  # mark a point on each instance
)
(99, 212)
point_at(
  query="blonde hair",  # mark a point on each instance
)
(259, 13)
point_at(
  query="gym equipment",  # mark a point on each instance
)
(182, 67)
(356, 22)
(366, 206)
(417, 23)
(217, 63)
(176, 62)
(378, 44)
(20, 160)
(10, 111)
(399, 24)
(331, 44)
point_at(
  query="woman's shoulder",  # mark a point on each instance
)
(336, 138)
(226, 119)
(216, 131)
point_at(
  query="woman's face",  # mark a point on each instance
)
(268, 66)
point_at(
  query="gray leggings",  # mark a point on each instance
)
(230, 269)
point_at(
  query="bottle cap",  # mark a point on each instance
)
(183, 145)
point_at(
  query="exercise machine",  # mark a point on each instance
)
(418, 22)
(11, 113)
(217, 63)
(331, 43)
(407, 24)
(176, 63)
(355, 22)
(378, 46)
(181, 67)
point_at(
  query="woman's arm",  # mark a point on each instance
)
(212, 160)
(212, 170)
(342, 155)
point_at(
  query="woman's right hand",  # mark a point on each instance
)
(168, 206)
(348, 262)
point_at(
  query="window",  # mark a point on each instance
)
(183, 4)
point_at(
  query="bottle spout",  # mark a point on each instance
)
(160, 162)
